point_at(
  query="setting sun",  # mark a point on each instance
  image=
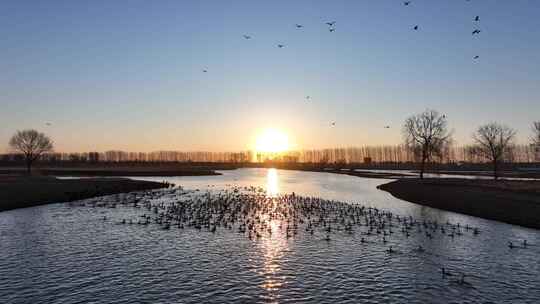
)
(272, 140)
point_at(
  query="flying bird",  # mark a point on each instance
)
(48, 124)
(476, 32)
(477, 18)
(205, 71)
(415, 27)
(406, 3)
(308, 97)
(476, 57)
(247, 36)
(299, 26)
(333, 124)
(331, 23)
(332, 30)
(280, 46)
(387, 127)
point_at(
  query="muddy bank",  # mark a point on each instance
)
(24, 191)
(367, 174)
(514, 202)
(114, 171)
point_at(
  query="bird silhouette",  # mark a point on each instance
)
(332, 30)
(387, 127)
(308, 97)
(331, 23)
(299, 26)
(477, 18)
(280, 46)
(406, 3)
(205, 71)
(333, 124)
(476, 57)
(475, 32)
(415, 27)
(247, 36)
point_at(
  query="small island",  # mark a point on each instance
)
(514, 202)
(27, 191)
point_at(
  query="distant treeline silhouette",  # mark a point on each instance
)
(350, 155)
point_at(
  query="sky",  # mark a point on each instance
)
(128, 75)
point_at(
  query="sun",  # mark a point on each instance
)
(273, 141)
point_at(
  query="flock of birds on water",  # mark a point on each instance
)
(250, 212)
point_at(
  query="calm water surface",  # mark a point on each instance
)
(62, 253)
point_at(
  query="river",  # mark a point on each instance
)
(67, 253)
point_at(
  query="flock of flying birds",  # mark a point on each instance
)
(332, 28)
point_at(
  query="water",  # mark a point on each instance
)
(67, 254)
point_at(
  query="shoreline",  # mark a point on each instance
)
(365, 174)
(29, 191)
(113, 172)
(512, 202)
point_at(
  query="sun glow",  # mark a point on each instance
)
(272, 140)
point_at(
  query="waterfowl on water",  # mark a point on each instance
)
(250, 212)
(444, 272)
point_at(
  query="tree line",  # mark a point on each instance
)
(426, 139)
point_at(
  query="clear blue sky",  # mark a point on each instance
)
(128, 74)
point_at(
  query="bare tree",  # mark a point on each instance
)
(493, 140)
(32, 144)
(426, 135)
(536, 139)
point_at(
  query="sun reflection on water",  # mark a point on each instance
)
(273, 243)
(272, 183)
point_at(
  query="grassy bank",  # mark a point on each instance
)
(24, 191)
(514, 202)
